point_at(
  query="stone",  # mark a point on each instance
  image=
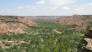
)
(89, 33)
(89, 43)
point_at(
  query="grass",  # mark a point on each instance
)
(42, 38)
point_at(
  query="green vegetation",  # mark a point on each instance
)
(47, 36)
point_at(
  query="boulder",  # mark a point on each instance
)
(89, 33)
(89, 43)
(88, 40)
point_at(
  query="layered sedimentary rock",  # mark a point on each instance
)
(15, 24)
(89, 43)
(88, 40)
(78, 21)
(89, 33)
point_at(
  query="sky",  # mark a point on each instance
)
(45, 7)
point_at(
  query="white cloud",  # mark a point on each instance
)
(40, 2)
(90, 4)
(84, 9)
(61, 2)
(79, 9)
(66, 8)
(20, 7)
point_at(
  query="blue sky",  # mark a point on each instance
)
(45, 7)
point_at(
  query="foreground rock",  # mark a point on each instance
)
(88, 41)
(89, 33)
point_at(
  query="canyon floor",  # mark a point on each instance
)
(44, 36)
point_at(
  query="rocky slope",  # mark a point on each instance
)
(11, 24)
(80, 22)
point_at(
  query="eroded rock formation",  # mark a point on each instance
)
(88, 40)
(15, 24)
(78, 21)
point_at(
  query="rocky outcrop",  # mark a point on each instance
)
(88, 45)
(89, 33)
(78, 21)
(15, 24)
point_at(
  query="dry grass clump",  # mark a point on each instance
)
(7, 44)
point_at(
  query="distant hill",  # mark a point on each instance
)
(78, 21)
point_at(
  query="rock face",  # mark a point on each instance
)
(89, 33)
(15, 24)
(89, 43)
(88, 40)
(78, 21)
